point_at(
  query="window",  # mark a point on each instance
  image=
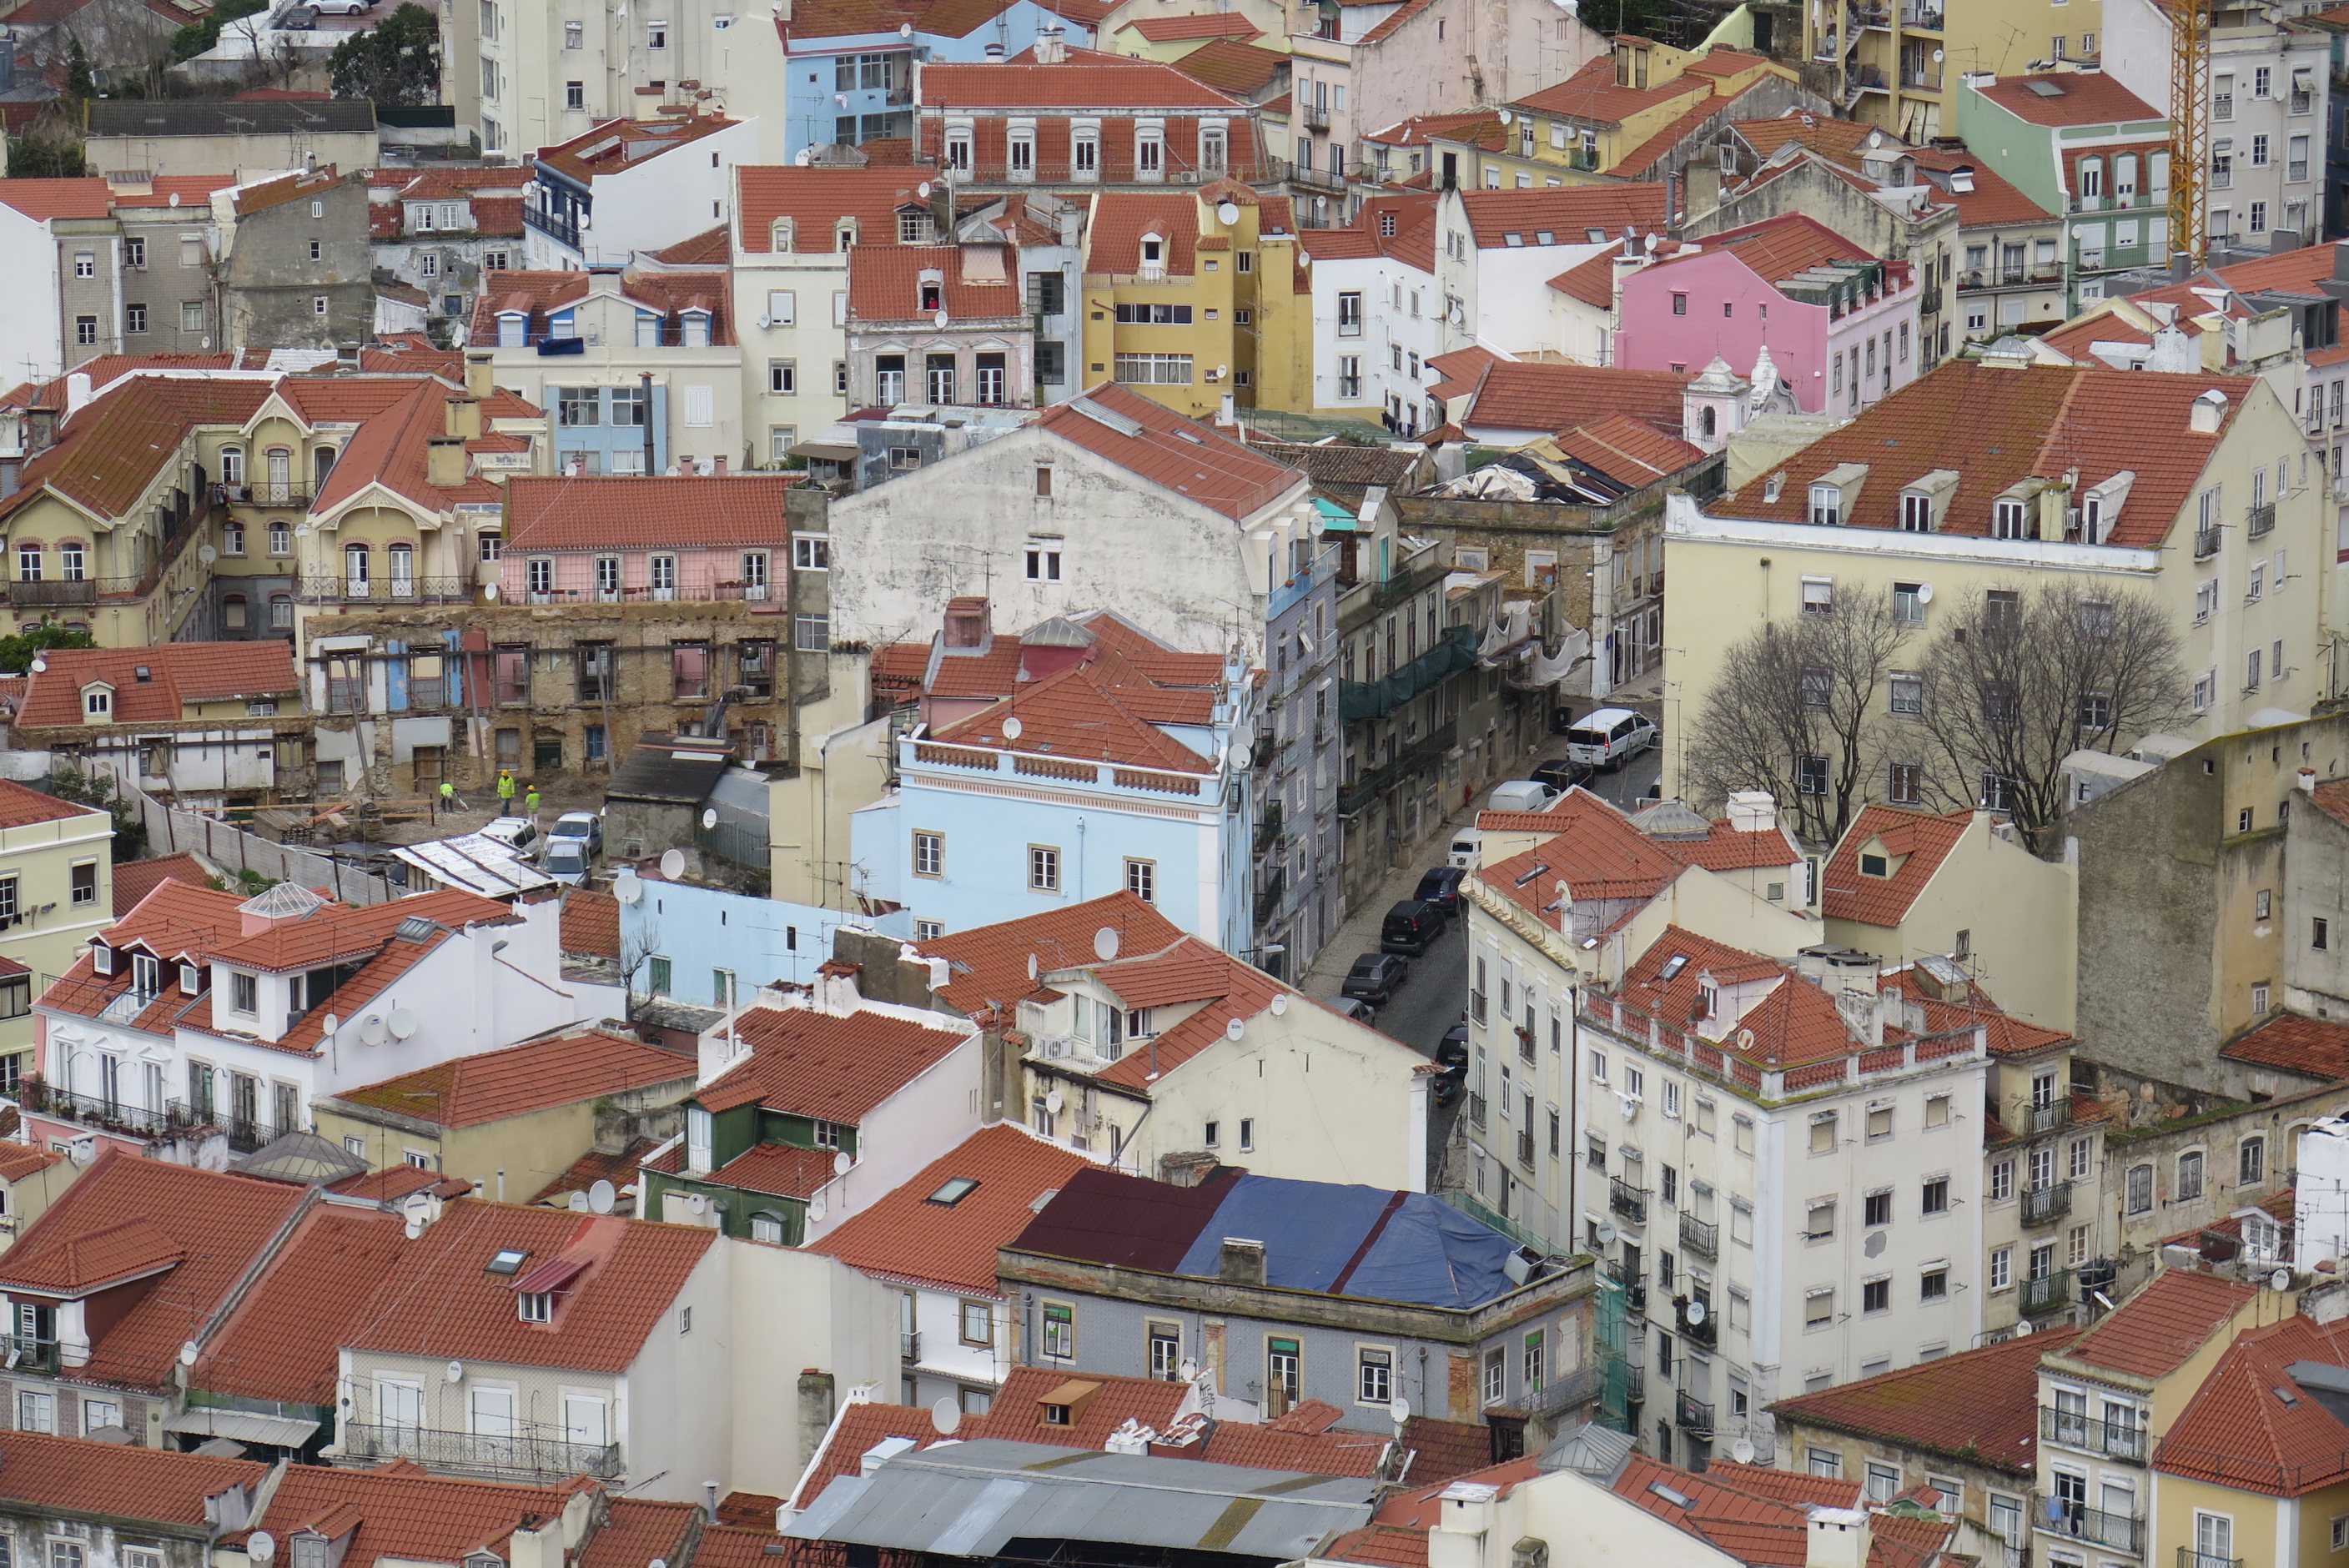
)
(1934, 1198)
(536, 1307)
(2190, 1176)
(2001, 1268)
(84, 329)
(2138, 1197)
(1818, 1310)
(1060, 1330)
(2251, 1161)
(975, 1323)
(1374, 1377)
(929, 854)
(134, 318)
(192, 312)
(85, 882)
(1876, 1295)
(1043, 869)
(811, 633)
(1933, 1282)
(812, 552)
(1349, 313)
(1141, 880)
(1044, 561)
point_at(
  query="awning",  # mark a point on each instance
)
(826, 451)
(243, 1425)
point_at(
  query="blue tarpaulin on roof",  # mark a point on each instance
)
(1356, 1241)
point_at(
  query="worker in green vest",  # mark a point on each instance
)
(530, 803)
(505, 791)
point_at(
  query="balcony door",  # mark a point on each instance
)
(399, 1404)
(281, 476)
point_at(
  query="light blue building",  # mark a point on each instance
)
(705, 947)
(857, 88)
(1089, 778)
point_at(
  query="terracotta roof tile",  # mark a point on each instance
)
(179, 674)
(1570, 213)
(1915, 845)
(394, 1182)
(618, 145)
(827, 1065)
(617, 1166)
(2157, 1330)
(2315, 1047)
(18, 1160)
(1230, 66)
(1632, 452)
(1510, 395)
(1591, 94)
(2076, 98)
(443, 1304)
(1080, 715)
(134, 880)
(1778, 248)
(2250, 1427)
(1980, 1404)
(22, 808)
(1084, 80)
(1209, 24)
(783, 1169)
(1196, 460)
(591, 922)
(815, 200)
(636, 1532)
(1794, 1022)
(1992, 199)
(82, 1477)
(724, 1547)
(282, 1341)
(210, 1228)
(988, 966)
(1994, 426)
(855, 1431)
(562, 1069)
(908, 1236)
(400, 1512)
(539, 294)
(711, 248)
(114, 447)
(43, 200)
(884, 282)
(682, 511)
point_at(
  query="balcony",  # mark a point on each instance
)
(1698, 1326)
(386, 590)
(2121, 1532)
(542, 1459)
(105, 1115)
(262, 494)
(1628, 1200)
(563, 230)
(43, 595)
(1316, 116)
(1635, 1289)
(1525, 1150)
(1930, 304)
(1692, 1416)
(1635, 1382)
(30, 1355)
(1575, 1388)
(2263, 518)
(2045, 1205)
(1925, 17)
(909, 1346)
(2078, 1430)
(2055, 1114)
(2206, 544)
(2040, 1295)
(1699, 1239)
(1421, 753)
(2189, 1558)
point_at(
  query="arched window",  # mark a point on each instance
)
(403, 570)
(2092, 177)
(322, 463)
(780, 237)
(355, 570)
(232, 612)
(768, 1227)
(281, 611)
(281, 539)
(73, 562)
(232, 462)
(1707, 422)
(28, 561)
(844, 233)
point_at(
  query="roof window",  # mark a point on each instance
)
(954, 1191)
(1673, 966)
(509, 1261)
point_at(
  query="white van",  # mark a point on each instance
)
(1467, 845)
(1521, 795)
(1609, 738)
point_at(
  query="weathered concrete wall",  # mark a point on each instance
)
(272, 283)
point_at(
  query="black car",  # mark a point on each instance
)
(299, 19)
(1374, 977)
(1561, 773)
(1452, 1050)
(1440, 887)
(1411, 927)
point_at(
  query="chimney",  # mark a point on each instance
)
(2207, 411)
(968, 624)
(1752, 811)
(2306, 781)
(77, 392)
(444, 461)
(1051, 45)
(462, 415)
(478, 375)
(1838, 1538)
(709, 1497)
(837, 991)
(1243, 1262)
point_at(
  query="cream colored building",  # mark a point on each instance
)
(56, 888)
(1991, 476)
(1898, 62)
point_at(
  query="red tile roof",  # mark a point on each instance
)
(1793, 1023)
(441, 1302)
(1208, 24)
(681, 511)
(283, 1339)
(134, 880)
(562, 1069)
(636, 1532)
(626, 145)
(179, 673)
(43, 200)
(906, 1236)
(1121, 219)
(783, 1169)
(393, 450)
(884, 282)
(858, 1427)
(1193, 460)
(1597, 851)
(22, 808)
(827, 1065)
(1992, 199)
(815, 200)
(1510, 395)
(711, 248)
(1778, 247)
(79, 1477)
(988, 967)
(618, 1168)
(2316, 1047)
(1630, 451)
(2005, 1035)
(1084, 714)
(1915, 844)
(1230, 66)
(1571, 212)
(400, 1512)
(721, 1547)
(539, 294)
(128, 1214)
(1591, 94)
(115, 446)
(1084, 80)
(1980, 1405)
(2252, 1427)
(2076, 98)
(591, 922)
(1994, 426)
(2156, 1331)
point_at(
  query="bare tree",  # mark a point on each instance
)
(2021, 680)
(1795, 711)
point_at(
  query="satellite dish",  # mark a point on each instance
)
(2023, 1328)
(1936, 56)
(841, 1162)
(626, 888)
(1741, 1451)
(489, 590)
(83, 1152)
(2280, 1280)
(698, 1202)
(938, 320)
(1234, 1028)
(1054, 1101)
(1401, 1408)
(189, 1351)
(576, 1201)
(708, 818)
(1279, 1004)
(1924, 592)
(334, 1022)
(1874, 1245)
(1744, 1039)
(1506, 118)
(672, 864)
(261, 1547)
(1105, 943)
(207, 555)
(601, 1196)
(1696, 1313)
(372, 1029)
(1190, 1368)
(1031, 966)
(40, 664)
(923, 190)
(1603, 1234)
(1012, 728)
(1227, 214)
(456, 1371)
(402, 1023)
(945, 1416)
(175, 198)
(815, 1211)
(1238, 755)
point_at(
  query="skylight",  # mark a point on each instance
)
(954, 1191)
(1677, 1498)
(1673, 966)
(508, 1261)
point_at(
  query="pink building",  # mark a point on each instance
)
(631, 540)
(1839, 325)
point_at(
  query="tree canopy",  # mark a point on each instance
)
(395, 62)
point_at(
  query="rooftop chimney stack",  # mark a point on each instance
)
(1243, 1262)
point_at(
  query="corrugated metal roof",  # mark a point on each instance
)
(969, 1500)
(476, 863)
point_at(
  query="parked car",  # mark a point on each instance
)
(1465, 845)
(1562, 773)
(342, 8)
(298, 19)
(585, 825)
(1609, 738)
(1374, 977)
(1442, 887)
(1452, 1050)
(1521, 795)
(1354, 1007)
(1411, 926)
(519, 834)
(566, 860)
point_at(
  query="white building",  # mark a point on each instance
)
(631, 185)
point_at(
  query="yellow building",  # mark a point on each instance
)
(56, 888)
(1991, 476)
(512, 1122)
(1194, 295)
(1898, 63)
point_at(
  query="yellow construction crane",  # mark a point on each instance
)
(2189, 124)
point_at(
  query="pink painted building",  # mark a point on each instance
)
(631, 540)
(1839, 325)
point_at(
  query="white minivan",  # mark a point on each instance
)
(1609, 736)
(1521, 795)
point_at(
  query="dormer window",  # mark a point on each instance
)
(933, 296)
(1708, 1001)
(101, 958)
(534, 1306)
(1874, 865)
(488, 1559)
(513, 328)
(309, 1549)
(98, 704)
(844, 234)
(1916, 513)
(914, 226)
(1826, 506)
(779, 237)
(191, 978)
(2010, 519)
(695, 324)
(146, 974)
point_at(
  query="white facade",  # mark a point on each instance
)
(32, 336)
(651, 203)
(1392, 326)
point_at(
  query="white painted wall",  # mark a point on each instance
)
(32, 336)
